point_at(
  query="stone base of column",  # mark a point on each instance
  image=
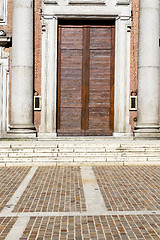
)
(147, 132)
(22, 131)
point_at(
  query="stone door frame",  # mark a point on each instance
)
(50, 17)
(4, 92)
(3, 12)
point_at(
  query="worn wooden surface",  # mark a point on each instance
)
(85, 79)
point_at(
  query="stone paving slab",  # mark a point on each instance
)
(6, 224)
(10, 179)
(129, 188)
(93, 228)
(53, 189)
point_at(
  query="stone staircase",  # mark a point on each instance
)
(94, 149)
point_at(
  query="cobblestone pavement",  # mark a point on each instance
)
(6, 223)
(54, 189)
(80, 202)
(129, 188)
(10, 179)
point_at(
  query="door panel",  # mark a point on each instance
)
(70, 80)
(85, 79)
(100, 37)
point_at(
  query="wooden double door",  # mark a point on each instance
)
(85, 78)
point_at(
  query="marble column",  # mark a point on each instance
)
(22, 69)
(148, 70)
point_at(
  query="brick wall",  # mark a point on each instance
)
(134, 55)
(37, 62)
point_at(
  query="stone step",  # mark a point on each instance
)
(79, 150)
(72, 153)
(79, 144)
(81, 159)
(76, 151)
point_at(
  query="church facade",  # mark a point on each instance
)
(79, 68)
